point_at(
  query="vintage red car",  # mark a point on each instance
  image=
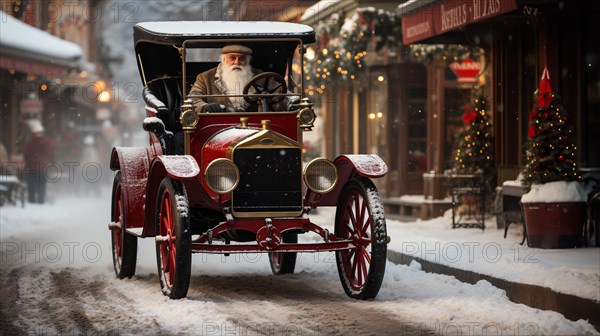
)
(240, 185)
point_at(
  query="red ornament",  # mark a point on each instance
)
(469, 115)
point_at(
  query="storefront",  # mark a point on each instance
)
(35, 68)
(376, 97)
(520, 38)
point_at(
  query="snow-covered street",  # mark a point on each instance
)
(57, 278)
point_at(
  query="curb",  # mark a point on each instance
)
(571, 306)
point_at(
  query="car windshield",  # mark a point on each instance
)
(268, 55)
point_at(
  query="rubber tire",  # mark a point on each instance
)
(284, 262)
(361, 192)
(123, 244)
(174, 215)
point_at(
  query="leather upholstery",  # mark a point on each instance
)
(165, 96)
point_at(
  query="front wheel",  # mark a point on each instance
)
(173, 239)
(360, 217)
(284, 262)
(124, 245)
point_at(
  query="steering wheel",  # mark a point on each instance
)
(260, 83)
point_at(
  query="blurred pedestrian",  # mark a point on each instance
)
(39, 153)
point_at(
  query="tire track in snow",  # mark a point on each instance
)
(40, 300)
(294, 304)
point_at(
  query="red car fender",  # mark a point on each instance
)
(348, 166)
(367, 165)
(180, 167)
(133, 163)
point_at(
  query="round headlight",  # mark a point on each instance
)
(307, 116)
(222, 176)
(189, 118)
(320, 175)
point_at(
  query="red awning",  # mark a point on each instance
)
(27, 49)
(434, 18)
(31, 67)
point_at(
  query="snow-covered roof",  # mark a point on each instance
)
(23, 40)
(413, 5)
(223, 28)
(317, 8)
(323, 9)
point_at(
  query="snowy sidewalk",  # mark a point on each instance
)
(564, 280)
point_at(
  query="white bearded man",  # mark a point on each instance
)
(229, 77)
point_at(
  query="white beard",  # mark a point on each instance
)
(234, 81)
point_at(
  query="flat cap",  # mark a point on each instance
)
(236, 49)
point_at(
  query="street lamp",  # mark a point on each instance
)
(104, 96)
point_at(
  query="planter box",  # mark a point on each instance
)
(555, 225)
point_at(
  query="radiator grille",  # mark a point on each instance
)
(270, 180)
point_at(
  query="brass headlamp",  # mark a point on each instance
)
(188, 120)
(306, 115)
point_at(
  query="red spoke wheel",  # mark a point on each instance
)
(174, 240)
(284, 262)
(124, 245)
(361, 218)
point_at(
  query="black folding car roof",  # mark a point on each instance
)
(157, 43)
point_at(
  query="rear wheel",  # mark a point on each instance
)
(361, 218)
(174, 239)
(124, 245)
(284, 262)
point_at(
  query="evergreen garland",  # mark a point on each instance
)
(426, 53)
(343, 43)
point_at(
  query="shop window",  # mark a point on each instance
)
(377, 114)
(417, 129)
(454, 104)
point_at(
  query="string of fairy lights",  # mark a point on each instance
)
(474, 153)
(550, 150)
(345, 46)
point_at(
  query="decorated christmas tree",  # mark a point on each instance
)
(550, 150)
(474, 143)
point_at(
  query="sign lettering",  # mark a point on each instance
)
(450, 14)
(418, 29)
(453, 17)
